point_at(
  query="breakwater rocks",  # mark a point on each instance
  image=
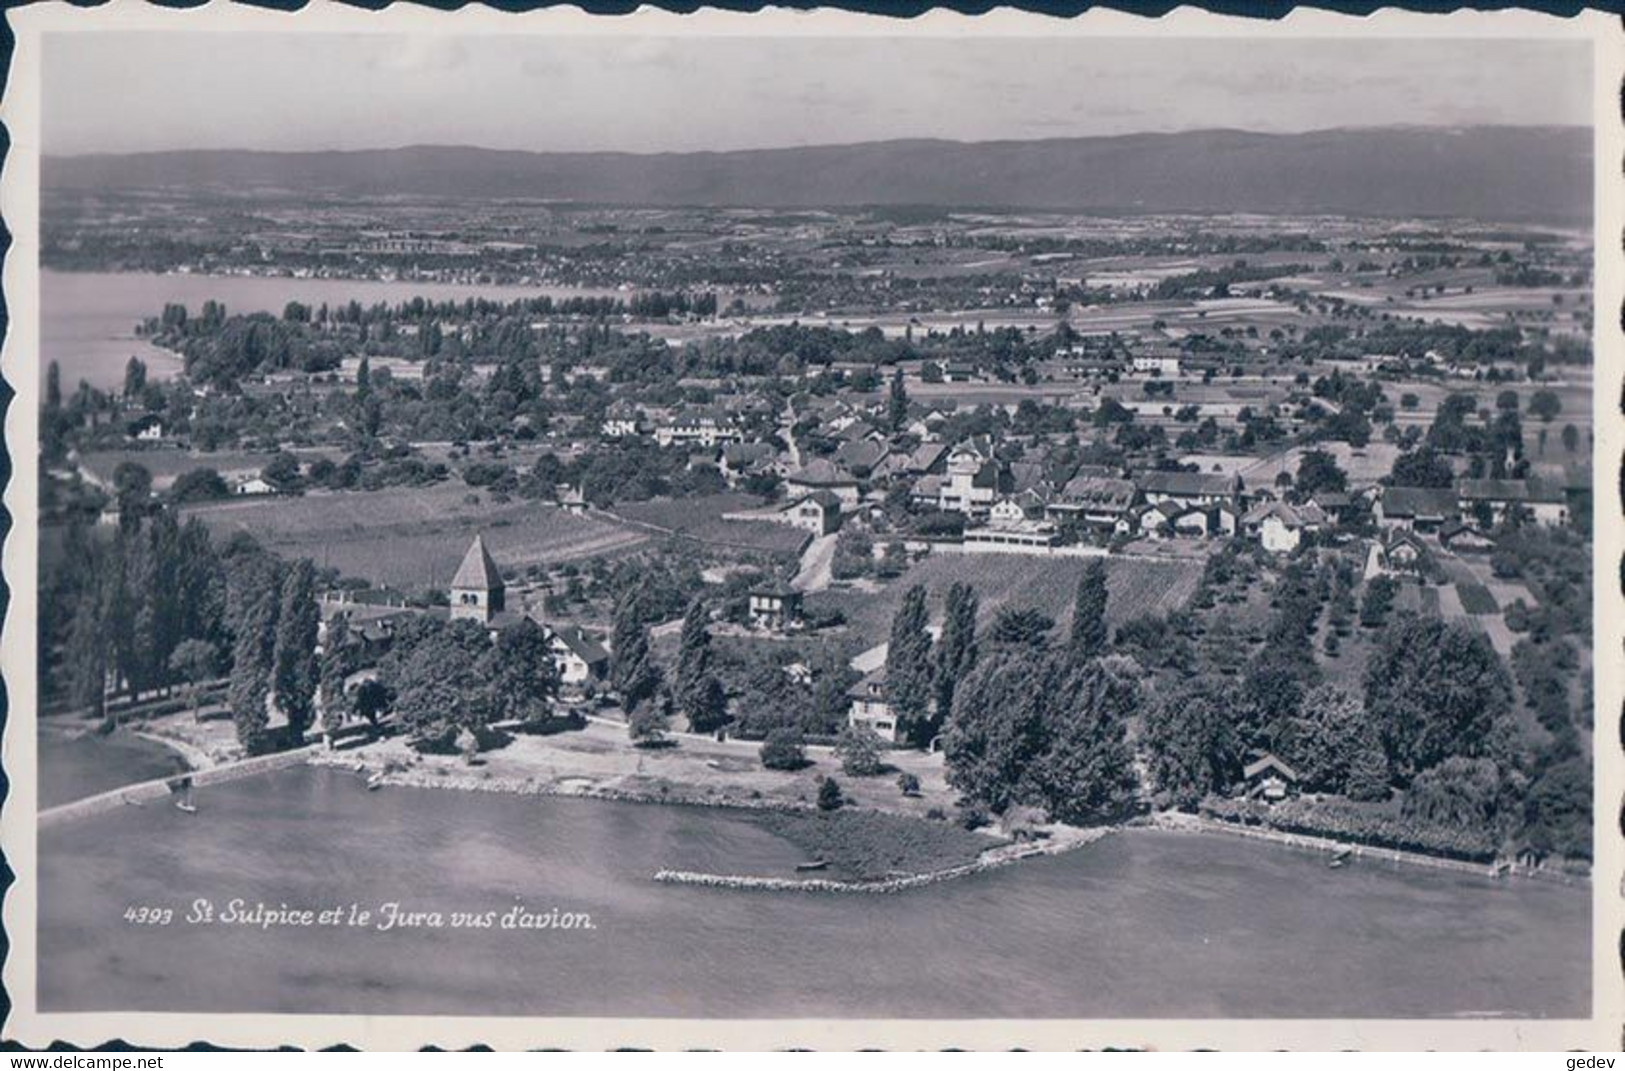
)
(992, 859)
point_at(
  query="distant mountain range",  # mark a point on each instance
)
(1482, 172)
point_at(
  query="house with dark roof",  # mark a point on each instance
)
(818, 513)
(1099, 501)
(821, 474)
(860, 455)
(1496, 500)
(1400, 553)
(774, 605)
(1270, 779)
(578, 656)
(1415, 509)
(741, 460)
(1461, 538)
(1189, 488)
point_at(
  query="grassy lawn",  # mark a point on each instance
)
(870, 845)
(413, 537)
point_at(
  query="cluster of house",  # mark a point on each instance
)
(1033, 502)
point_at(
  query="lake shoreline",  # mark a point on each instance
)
(1179, 822)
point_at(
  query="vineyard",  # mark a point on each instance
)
(1134, 587)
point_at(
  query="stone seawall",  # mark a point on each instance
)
(1325, 845)
(145, 792)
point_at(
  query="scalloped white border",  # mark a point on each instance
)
(19, 205)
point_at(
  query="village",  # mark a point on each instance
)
(742, 539)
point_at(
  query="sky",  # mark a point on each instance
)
(677, 94)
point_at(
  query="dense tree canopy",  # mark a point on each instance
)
(1435, 688)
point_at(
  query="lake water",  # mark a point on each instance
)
(88, 319)
(1145, 924)
(73, 765)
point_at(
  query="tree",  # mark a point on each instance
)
(199, 485)
(524, 678)
(194, 661)
(699, 694)
(1032, 727)
(1545, 405)
(1378, 601)
(956, 650)
(829, 795)
(1435, 689)
(88, 655)
(1557, 810)
(281, 471)
(1021, 626)
(293, 658)
(1088, 773)
(1191, 747)
(1089, 637)
(132, 490)
(252, 656)
(1459, 793)
(437, 672)
(897, 402)
(1327, 738)
(1421, 468)
(633, 671)
(647, 725)
(1317, 472)
(135, 378)
(859, 751)
(909, 672)
(783, 749)
(1368, 771)
(372, 698)
(335, 666)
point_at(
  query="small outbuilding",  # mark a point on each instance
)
(1270, 779)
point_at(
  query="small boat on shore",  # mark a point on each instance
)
(375, 782)
(1340, 859)
(812, 864)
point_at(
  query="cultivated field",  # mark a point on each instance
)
(413, 538)
(701, 519)
(1133, 587)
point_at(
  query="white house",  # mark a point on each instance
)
(578, 657)
(870, 708)
(818, 513)
(973, 481)
(1161, 365)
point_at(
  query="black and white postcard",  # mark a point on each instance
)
(807, 529)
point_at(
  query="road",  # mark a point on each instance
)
(817, 563)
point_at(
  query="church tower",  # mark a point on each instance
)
(477, 592)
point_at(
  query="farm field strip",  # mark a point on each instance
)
(413, 537)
